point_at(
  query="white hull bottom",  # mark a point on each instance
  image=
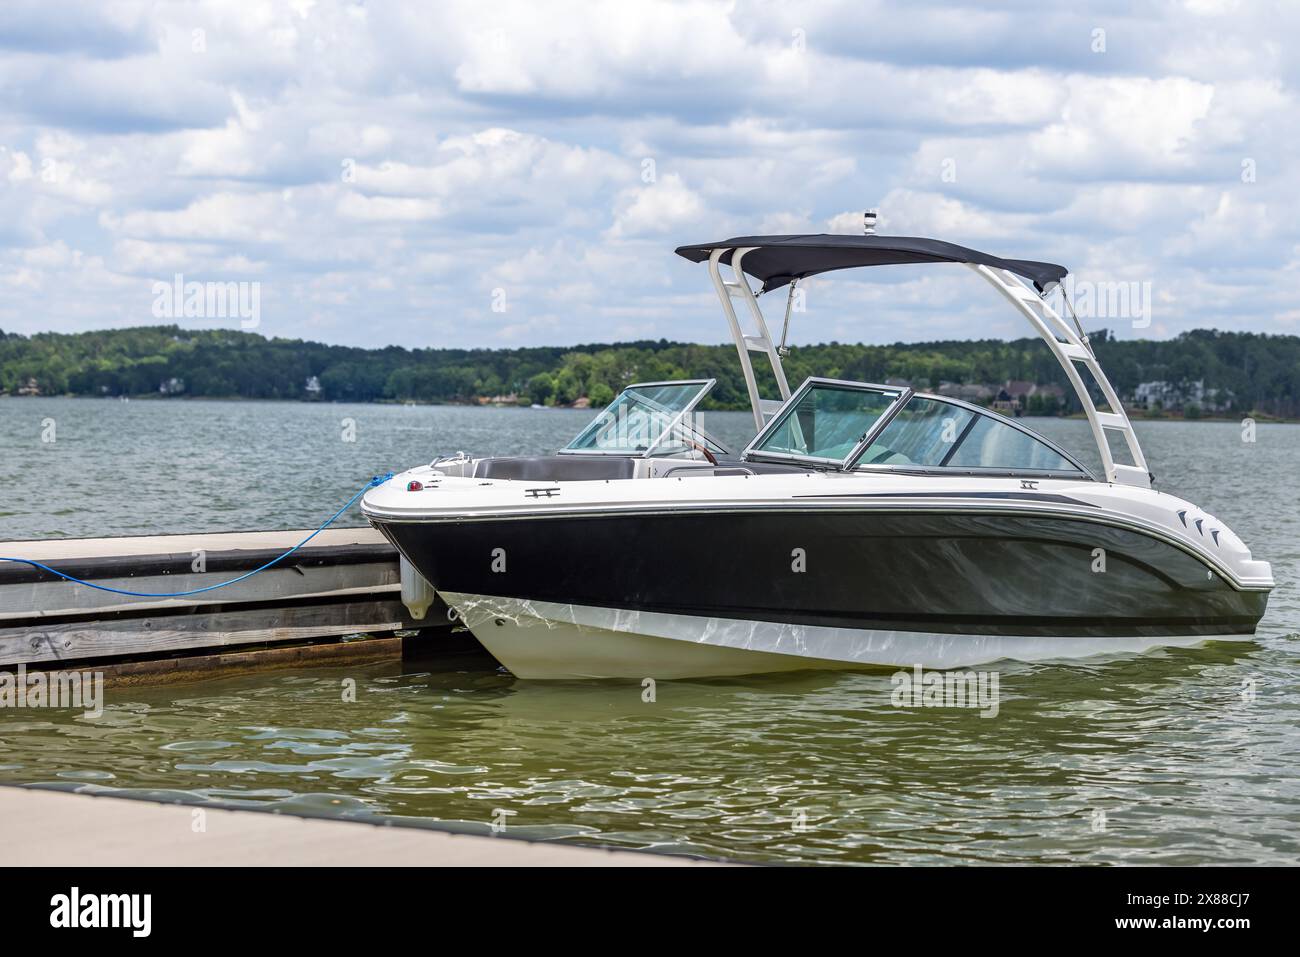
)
(538, 639)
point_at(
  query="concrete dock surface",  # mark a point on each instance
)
(41, 827)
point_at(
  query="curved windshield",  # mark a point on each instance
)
(930, 433)
(642, 418)
(924, 432)
(995, 445)
(826, 423)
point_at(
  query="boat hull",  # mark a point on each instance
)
(735, 592)
(546, 640)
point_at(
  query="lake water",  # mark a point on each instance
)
(1186, 757)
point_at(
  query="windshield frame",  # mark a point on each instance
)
(753, 452)
(706, 386)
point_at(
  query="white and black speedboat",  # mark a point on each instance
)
(863, 525)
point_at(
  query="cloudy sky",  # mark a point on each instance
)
(513, 173)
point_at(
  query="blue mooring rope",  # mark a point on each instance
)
(374, 482)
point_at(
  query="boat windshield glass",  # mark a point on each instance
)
(826, 423)
(930, 433)
(645, 418)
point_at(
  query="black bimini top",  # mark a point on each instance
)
(777, 260)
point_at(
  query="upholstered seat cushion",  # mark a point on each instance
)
(557, 468)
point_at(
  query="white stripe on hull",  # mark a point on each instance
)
(539, 639)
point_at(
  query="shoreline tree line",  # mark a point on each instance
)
(1244, 372)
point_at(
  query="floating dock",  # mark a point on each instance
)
(344, 584)
(336, 599)
(44, 828)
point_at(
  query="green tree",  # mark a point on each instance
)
(541, 388)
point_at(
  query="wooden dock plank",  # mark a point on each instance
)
(52, 599)
(256, 660)
(69, 641)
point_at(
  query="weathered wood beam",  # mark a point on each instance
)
(30, 644)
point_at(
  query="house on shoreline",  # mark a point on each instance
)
(1018, 397)
(1160, 395)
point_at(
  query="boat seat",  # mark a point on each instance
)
(557, 468)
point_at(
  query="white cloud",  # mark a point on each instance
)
(388, 208)
(236, 217)
(20, 168)
(911, 213)
(405, 160)
(568, 49)
(655, 209)
(1127, 126)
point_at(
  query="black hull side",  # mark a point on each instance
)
(948, 573)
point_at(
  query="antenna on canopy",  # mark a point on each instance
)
(869, 221)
